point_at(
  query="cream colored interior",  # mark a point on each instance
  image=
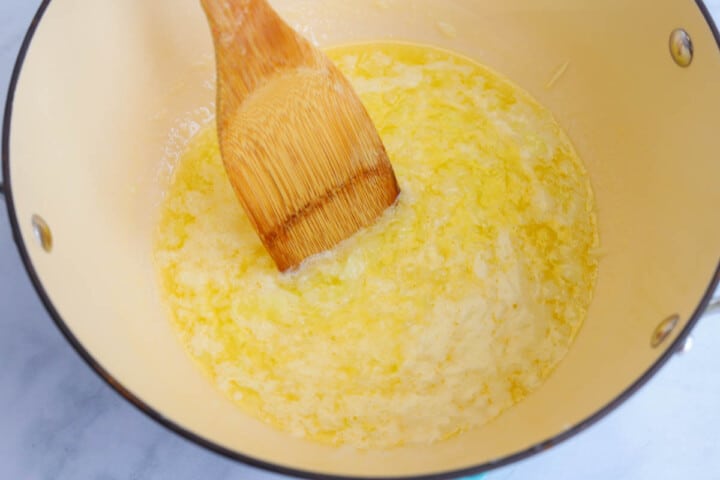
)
(104, 83)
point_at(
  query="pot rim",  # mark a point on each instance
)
(137, 402)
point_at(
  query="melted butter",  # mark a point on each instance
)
(457, 304)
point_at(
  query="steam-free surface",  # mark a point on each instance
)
(455, 305)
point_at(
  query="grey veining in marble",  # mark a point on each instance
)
(59, 421)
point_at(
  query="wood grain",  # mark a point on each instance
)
(300, 150)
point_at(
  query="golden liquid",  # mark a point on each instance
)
(457, 304)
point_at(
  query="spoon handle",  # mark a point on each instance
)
(252, 44)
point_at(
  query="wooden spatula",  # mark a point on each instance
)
(300, 150)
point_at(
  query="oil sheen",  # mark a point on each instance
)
(454, 306)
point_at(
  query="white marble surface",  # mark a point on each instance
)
(59, 421)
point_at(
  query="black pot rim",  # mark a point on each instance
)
(134, 400)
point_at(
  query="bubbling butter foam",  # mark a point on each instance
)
(454, 306)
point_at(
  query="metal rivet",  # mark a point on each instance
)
(681, 47)
(42, 233)
(663, 330)
(686, 345)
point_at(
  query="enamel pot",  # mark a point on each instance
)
(101, 88)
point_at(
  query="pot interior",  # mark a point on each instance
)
(106, 87)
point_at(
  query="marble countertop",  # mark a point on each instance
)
(59, 421)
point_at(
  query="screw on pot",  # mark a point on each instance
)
(42, 233)
(681, 47)
(663, 330)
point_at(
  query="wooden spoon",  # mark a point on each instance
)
(301, 152)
